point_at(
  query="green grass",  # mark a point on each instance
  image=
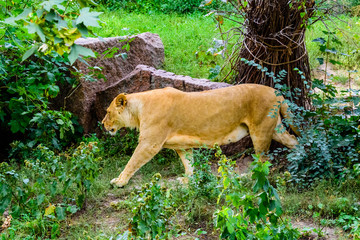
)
(335, 198)
(344, 28)
(182, 36)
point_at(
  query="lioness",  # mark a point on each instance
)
(169, 118)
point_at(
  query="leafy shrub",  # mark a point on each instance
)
(330, 141)
(55, 26)
(30, 71)
(351, 224)
(26, 93)
(202, 183)
(50, 187)
(151, 208)
(255, 215)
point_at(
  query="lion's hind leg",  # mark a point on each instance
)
(261, 136)
(284, 137)
(186, 157)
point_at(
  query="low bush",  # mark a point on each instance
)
(152, 207)
(203, 182)
(249, 215)
(51, 186)
(32, 70)
(329, 144)
(27, 90)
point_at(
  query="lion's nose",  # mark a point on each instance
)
(112, 130)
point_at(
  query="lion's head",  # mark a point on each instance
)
(114, 118)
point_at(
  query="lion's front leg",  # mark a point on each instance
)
(143, 153)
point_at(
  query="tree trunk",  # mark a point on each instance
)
(274, 37)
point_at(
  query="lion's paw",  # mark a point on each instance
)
(118, 182)
(183, 180)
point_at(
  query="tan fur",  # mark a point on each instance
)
(169, 118)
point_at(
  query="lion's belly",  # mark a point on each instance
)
(185, 141)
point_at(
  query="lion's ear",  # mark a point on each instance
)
(120, 100)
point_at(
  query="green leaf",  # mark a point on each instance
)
(21, 16)
(88, 18)
(55, 231)
(230, 227)
(80, 200)
(60, 122)
(51, 76)
(72, 209)
(4, 203)
(34, 28)
(28, 53)
(333, 50)
(124, 236)
(49, 210)
(77, 50)
(54, 90)
(51, 15)
(319, 40)
(48, 5)
(124, 56)
(82, 29)
(60, 213)
(15, 126)
(40, 199)
(53, 188)
(335, 62)
(320, 60)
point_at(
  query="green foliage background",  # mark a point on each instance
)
(50, 176)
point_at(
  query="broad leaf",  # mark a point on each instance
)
(319, 40)
(23, 15)
(77, 50)
(49, 210)
(60, 213)
(40, 199)
(88, 18)
(29, 52)
(34, 28)
(320, 60)
(82, 29)
(47, 5)
(333, 50)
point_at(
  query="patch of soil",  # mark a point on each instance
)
(333, 72)
(243, 164)
(329, 233)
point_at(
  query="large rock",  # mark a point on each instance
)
(145, 48)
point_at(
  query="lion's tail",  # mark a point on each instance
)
(286, 113)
